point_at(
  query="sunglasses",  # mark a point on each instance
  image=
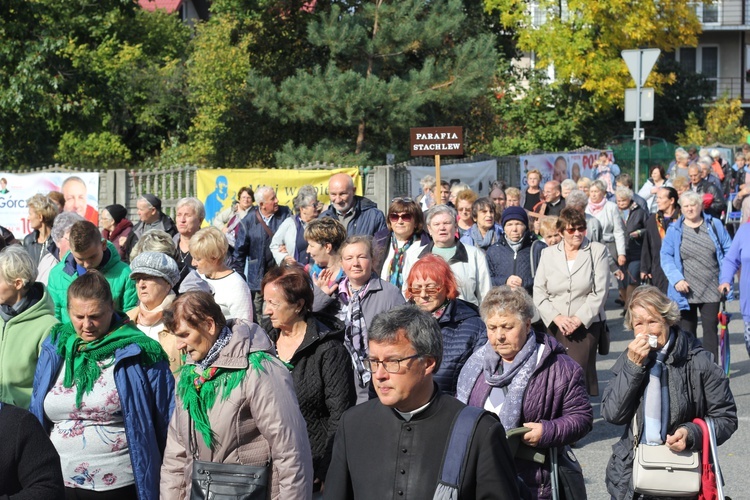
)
(573, 230)
(430, 290)
(402, 200)
(403, 217)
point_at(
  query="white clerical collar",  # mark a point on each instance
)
(410, 414)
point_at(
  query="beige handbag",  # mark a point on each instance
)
(659, 471)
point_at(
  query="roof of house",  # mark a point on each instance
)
(168, 5)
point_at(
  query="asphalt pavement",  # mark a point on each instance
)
(594, 450)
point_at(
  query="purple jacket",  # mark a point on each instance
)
(556, 396)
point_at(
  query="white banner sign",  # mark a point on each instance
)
(81, 192)
(477, 175)
(561, 166)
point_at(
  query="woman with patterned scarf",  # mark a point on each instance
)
(235, 403)
(656, 228)
(526, 378)
(667, 379)
(104, 393)
(405, 235)
(432, 287)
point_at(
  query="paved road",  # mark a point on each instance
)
(594, 450)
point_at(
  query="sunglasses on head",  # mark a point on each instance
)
(573, 230)
(404, 217)
(402, 200)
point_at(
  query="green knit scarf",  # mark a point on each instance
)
(82, 358)
(198, 401)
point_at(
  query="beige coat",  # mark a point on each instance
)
(582, 292)
(260, 421)
(167, 340)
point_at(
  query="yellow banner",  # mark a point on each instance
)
(217, 188)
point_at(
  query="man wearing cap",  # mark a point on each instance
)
(150, 217)
(510, 259)
(358, 215)
(88, 250)
(154, 275)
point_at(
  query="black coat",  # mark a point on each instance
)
(379, 455)
(324, 383)
(503, 262)
(29, 463)
(697, 388)
(636, 222)
(651, 251)
(254, 245)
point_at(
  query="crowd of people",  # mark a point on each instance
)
(340, 351)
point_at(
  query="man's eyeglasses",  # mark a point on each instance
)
(429, 290)
(573, 230)
(390, 366)
(404, 217)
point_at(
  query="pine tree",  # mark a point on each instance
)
(392, 64)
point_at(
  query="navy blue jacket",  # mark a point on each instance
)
(503, 262)
(147, 399)
(367, 220)
(463, 333)
(253, 244)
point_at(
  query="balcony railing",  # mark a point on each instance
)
(730, 87)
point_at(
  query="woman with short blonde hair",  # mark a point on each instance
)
(208, 247)
(42, 213)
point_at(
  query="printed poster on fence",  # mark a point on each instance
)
(561, 166)
(478, 175)
(217, 189)
(81, 192)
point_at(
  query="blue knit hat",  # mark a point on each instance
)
(515, 213)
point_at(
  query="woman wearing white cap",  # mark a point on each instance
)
(155, 274)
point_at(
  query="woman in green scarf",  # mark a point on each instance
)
(235, 403)
(104, 393)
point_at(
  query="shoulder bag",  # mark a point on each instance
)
(462, 431)
(219, 481)
(659, 471)
(567, 475)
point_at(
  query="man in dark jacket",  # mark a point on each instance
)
(254, 240)
(358, 214)
(393, 446)
(717, 204)
(150, 217)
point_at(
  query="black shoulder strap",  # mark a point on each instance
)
(458, 445)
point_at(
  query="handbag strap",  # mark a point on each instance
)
(263, 223)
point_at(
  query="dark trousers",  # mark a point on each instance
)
(709, 312)
(126, 493)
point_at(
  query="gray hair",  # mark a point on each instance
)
(427, 181)
(438, 210)
(155, 240)
(506, 300)
(261, 193)
(705, 160)
(715, 153)
(650, 297)
(599, 184)
(681, 154)
(419, 328)
(623, 192)
(16, 263)
(307, 196)
(577, 199)
(457, 188)
(691, 198)
(568, 184)
(63, 222)
(194, 203)
(143, 199)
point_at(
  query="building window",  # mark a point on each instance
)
(703, 60)
(708, 13)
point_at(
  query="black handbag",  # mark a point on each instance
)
(219, 481)
(567, 475)
(215, 481)
(604, 340)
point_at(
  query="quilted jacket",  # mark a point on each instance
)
(463, 333)
(503, 262)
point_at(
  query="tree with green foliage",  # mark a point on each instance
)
(94, 84)
(392, 65)
(723, 123)
(582, 39)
